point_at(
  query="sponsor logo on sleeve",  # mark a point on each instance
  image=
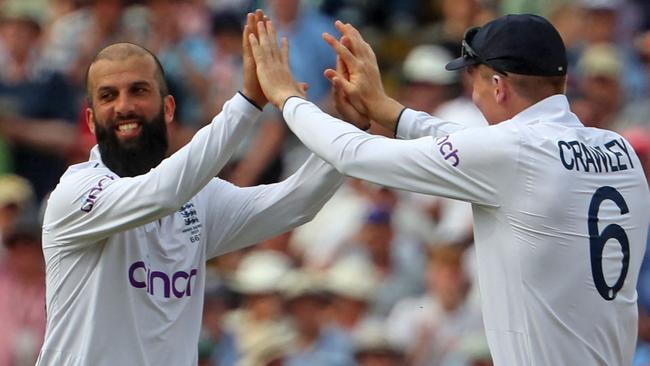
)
(447, 150)
(93, 194)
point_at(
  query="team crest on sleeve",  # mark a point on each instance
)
(447, 150)
(191, 219)
(93, 194)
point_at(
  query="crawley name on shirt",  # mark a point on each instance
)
(611, 156)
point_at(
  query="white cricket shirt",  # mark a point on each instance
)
(561, 215)
(125, 257)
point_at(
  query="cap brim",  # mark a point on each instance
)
(459, 63)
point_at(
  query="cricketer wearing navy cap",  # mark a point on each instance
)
(523, 44)
(561, 212)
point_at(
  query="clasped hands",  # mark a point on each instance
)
(356, 82)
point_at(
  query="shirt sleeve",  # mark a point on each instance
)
(94, 203)
(242, 216)
(470, 165)
(413, 124)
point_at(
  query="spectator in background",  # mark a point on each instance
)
(457, 16)
(395, 258)
(282, 244)
(224, 76)
(432, 327)
(320, 240)
(216, 344)
(637, 111)
(37, 107)
(602, 96)
(257, 280)
(266, 347)
(76, 37)
(372, 348)
(16, 197)
(603, 19)
(426, 83)
(22, 284)
(315, 345)
(185, 57)
(351, 283)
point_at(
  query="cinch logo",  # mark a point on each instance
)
(179, 283)
(447, 150)
(91, 198)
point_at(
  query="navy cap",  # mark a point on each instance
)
(518, 43)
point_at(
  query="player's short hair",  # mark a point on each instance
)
(536, 88)
(122, 51)
(530, 87)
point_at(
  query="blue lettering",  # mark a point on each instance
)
(569, 165)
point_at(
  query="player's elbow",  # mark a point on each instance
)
(165, 204)
(347, 167)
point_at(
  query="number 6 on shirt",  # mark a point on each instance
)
(597, 241)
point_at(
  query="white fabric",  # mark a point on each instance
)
(125, 267)
(539, 299)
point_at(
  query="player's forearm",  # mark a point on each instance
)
(279, 207)
(414, 124)
(386, 112)
(409, 165)
(193, 166)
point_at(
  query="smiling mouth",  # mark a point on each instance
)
(128, 129)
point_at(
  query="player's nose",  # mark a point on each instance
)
(124, 104)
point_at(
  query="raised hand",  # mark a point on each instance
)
(362, 85)
(272, 63)
(344, 107)
(252, 88)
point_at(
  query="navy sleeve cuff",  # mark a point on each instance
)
(250, 100)
(399, 116)
(293, 96)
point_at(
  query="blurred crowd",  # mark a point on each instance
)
(380, 277)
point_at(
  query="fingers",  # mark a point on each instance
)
(268, 39)
(248, 29)
(258, 53)
(330, 74)
(352, 39)
(259, 16)
(341, 68)
(264, 41)
(342, 51)
(285, 51)
(273, 36)
(339, 81)
(348, 30)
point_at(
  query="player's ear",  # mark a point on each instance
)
(90, 119)
(500, 89)
(169, 108)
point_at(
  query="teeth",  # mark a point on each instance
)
(125, 127)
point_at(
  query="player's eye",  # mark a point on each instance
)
(106, 96)
(140, 90)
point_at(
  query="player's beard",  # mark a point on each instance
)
(137, 155)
